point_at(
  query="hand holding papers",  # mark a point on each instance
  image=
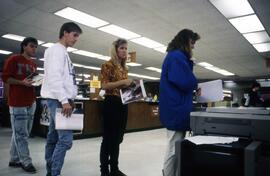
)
(211, 91)
(74, 122)
(134, 92)
(36, 79)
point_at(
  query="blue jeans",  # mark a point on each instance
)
(58, 142)
(21, 122)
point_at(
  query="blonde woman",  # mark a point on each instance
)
(114, 76)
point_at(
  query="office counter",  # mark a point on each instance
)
(141, 116)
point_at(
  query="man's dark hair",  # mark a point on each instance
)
(26, 41)
(256, 84)
(181, 41)
(69, 27)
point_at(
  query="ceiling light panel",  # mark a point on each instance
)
(220, 71)
(101, 57)
(18, 38)
(133, 64)
(147, 42)
(143, 76)
(205, 64)
(154, 69)
(47, 45)
(119, 32)
(262, 47)
(247, 24)
(70, 49)
(81, 17)
(87, 53)
(257, 37)
(85, 66)
(233, 8)
(161, 49)
(5, 52)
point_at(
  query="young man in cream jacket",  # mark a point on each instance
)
(59, 90)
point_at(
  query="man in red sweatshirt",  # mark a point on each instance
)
(21, 100)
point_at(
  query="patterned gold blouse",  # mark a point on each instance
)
(112, 73)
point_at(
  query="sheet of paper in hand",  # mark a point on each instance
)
(74, 122)
(37, 80)
(211, 91)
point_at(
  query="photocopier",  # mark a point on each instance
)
(248, 156)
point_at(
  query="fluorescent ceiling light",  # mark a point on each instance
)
(40, 69)
(133, 64)
(147, 42)
(85, 66)
(70, 49)
(161, 49)
(205, 64)
(42, 59)
(92, 68)
(260, 80)
(119, 32)
(81, 17)
(225, 73)
(101, 57)
(85, 75)
(247, 24)
(229, 81)
(5, 52)
(262, 47)
(220, 71)
(87, 53)
(47, 45)
(143, 76)
(13, 37)
(154, 69)
(78, 79)
(18, 38)
(227, 91)
(77, 65)
(233, 8)
(257, 37)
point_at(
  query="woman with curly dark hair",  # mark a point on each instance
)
(176, 87)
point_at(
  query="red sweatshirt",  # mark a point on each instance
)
(18, 67)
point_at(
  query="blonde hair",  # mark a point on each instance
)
(114, 57)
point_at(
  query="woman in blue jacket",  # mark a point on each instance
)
(176, 88)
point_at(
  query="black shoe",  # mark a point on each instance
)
(48, 174)
(14, 164)
(29, 168)
(105, 174)
(117, 173)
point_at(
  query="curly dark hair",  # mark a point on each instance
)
(181, 41)
(27, 40)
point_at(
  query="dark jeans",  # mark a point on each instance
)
(114, 125)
